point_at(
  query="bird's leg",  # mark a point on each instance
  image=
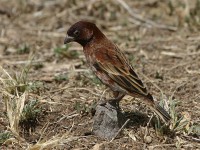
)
(113, 101)
(117, 97)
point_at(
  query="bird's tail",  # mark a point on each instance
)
(162, 113)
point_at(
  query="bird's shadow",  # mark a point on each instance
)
(136, 119)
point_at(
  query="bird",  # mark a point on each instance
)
(111, 66)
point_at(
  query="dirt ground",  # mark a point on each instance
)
(161, 39)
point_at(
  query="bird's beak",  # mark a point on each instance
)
(68, 39)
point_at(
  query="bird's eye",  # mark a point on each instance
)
(76, 33)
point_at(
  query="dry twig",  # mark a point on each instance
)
(120, 129)
(138, 19)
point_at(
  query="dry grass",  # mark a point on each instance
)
(14, 100)
(47, 100)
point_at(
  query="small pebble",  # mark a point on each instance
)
(148, 139)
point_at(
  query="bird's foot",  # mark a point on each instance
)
(112, 102)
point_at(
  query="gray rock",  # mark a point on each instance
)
(107, 121)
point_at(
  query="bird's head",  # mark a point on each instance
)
(81, 32)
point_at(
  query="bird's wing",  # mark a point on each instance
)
(113, 62)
